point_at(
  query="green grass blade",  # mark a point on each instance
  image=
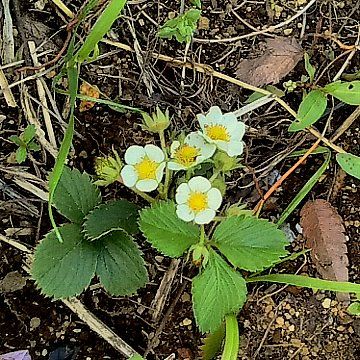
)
(318, 150)
(73, 77)
(305, 190)
(101, 27)
(308, 282)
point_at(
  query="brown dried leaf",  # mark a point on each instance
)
(325, 235)
(91, 91)
(279, 57)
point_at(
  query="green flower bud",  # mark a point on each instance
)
(225, 163)
(200, 255)
(157, 122)
(108, 169)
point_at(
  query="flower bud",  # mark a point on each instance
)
(157, 122)
(225, 163)
(108, 169)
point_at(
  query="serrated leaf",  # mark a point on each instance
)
(354, 309)
(212, 343)
(219, 290)
(347, 92)
(310, 69)
(120, 267)
(349, 163)
(21, 154)
(16, 140)
(310, 110)
(114, 215)
(250, 243)
(165, 231)
(75, 195)
(62, 270)
(28, 133)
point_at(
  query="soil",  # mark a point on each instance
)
(277, 322)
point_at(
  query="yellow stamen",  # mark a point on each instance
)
(197, 201)
(217, 132)
(186, 155)
(146, 169)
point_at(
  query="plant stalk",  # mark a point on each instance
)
(167, 170)
(231, 347)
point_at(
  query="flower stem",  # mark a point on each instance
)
(214, 175)
(202, 235)
(167, 171)
(144, 195)
(231, 347)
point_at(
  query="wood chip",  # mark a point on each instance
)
(280, 56)
(325, 235)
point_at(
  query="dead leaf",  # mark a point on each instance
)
(325, 235)
(280, 56)
(91, 91)
(13, 281)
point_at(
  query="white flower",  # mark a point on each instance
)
(224, 130)
(197, 200)
(192, 152)
(145, 167)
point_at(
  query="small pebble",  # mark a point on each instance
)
(44, 352)
(186, 322)
(280, 321)
(288, 32)
(326, 303)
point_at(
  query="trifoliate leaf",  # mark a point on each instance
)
(114, 215)
(21, 154)
(219, 290)
(349, 163)
(165, 231)
(120, 266)
(310, 110)
(75, 195)
(347, 92)
(64, 269)
(250, 243)
(212, 343)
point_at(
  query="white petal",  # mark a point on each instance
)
(238, 131)
(202, 120)
(235, 148)
(209, 140)
(184, 212)
(223, 145)
(204, 217)
(214, 198)
(147, 185)
(172, 165)
(129, 175)
(134, 154)
(195, 139)
(207, 151)
(229, 119)
(214, 114)
(199, 184)
(182, 193)
(174, 146)
(154, 153)
(160, 171)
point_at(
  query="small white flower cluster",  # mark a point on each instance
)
(196, 200)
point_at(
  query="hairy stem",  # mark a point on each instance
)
(231, 347)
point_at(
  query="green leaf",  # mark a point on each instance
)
(354, 309)
(21, 154)
(309, 68)
(165, 231)
(349, 163)
(250, 243)
(64, 269)
(310, 110)
(33, 146)
(196, 3)
(120, 266)
(136, 357)
(218, 291)
(75, 195)
(347, 92)
(28, 133)
(308, 282)
(114, 215)
(16, 140)
(212, 343)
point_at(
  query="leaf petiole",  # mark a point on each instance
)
(231, 347)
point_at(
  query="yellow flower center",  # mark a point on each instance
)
(186, 155)
(146, 169)
(197, 201)
(217, 132)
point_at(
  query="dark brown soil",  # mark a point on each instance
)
(289, 323)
